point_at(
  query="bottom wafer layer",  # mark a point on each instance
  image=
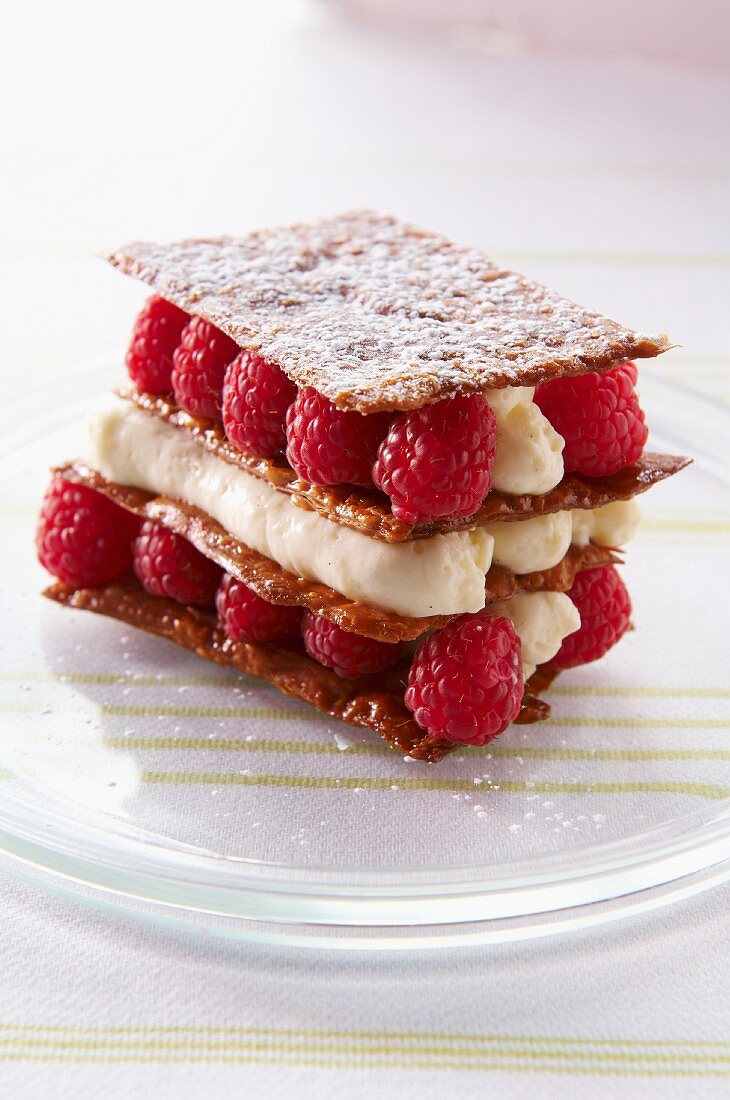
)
(374, 703)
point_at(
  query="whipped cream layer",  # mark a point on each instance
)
(528, 456)
(532, 544)
(612, 525)
(542, 620)
(441, 575)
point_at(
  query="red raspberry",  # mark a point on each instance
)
(465, 682)
(245, 617)
(83, 538)
(349, 655)
(604, 606)
(155, 336)
(256, 395)
(168, 565)
(199, 366)
(599, 417)
(327, 446)
(436, 462)
(630, 370)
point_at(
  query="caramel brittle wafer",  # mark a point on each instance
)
(374, 703)
(379, 315)
(368, 511)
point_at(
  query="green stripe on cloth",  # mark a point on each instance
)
(363, 1050)
(309, 715)
(315, 716)
(377, 783)
(328, 748)
(280, 713)
(332, 1061)
(162, 680)
(685, 527)
(324, 1033)
(640, 723)
(641, 692)
(130, 679)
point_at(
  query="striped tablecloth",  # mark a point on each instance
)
(607, 179)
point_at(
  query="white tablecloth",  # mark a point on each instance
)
(98, 1005)
(606, 178)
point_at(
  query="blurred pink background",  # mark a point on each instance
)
(697, 33)
(586, 144)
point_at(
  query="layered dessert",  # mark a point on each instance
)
(367, 465)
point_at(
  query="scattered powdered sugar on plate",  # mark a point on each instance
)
(344, 742)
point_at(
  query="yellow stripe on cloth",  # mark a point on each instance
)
(377, 783)
(363, 1050)
(309, 715)
(367, 748)
(130, 679)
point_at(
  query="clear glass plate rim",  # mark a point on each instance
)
(701, 830)
(54, 832)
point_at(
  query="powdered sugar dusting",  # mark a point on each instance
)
(379, 315)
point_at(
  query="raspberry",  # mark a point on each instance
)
(465, 682)
(605, 611)
(245, 617)
(436, 462)
(83, 538)
(327, 446)
(630, 370)
(199, 366)
(349, 655)
(599, 417)
(155, 336)
(256, 395)
(168, 565)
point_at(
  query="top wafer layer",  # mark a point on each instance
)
(378, 315)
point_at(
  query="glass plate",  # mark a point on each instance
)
(136, 776)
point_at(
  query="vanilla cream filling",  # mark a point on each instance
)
(440, 575)
(612, 525)
(529, 452)
(537, 543)
(542, 620)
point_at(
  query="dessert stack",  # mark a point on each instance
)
(367, 465)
